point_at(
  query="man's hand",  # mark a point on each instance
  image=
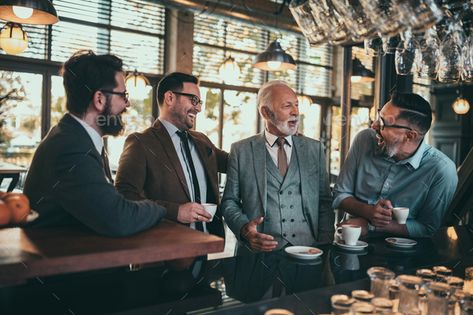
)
(258, 241)
(357, 221)
(192, 212)
(381, 213)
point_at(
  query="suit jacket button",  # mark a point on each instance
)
(283, 220)
(293, 235)
(281, 192)
(292, 220)
(291, 206)
(284, 234)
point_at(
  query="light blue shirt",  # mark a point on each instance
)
(199, 168)
(424, 182)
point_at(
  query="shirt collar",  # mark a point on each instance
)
(271, 139)
(93, 134)
(415, 159)
(171, 129)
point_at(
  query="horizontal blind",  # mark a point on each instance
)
(131, 29)
(215, 38)
(312, 75)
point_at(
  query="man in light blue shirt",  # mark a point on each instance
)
(390, 166)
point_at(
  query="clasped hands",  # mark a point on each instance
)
(380, 215)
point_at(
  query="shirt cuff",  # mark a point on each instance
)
(339, 198)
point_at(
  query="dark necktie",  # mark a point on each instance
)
(185, 142)
(106, 165)
(282, 157)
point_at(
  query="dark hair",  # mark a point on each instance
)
(414, 109)
(84, 74)
(174, 82)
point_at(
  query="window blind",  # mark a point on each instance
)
(131, 29)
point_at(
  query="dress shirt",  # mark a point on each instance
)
(93, 134)
(199, 168)
(272, 147)
(424, 182)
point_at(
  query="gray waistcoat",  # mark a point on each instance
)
(284, 216)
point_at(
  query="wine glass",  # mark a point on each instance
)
(302, 13)
(419, 15)
(405, 54)
(450, 60)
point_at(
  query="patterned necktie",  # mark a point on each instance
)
(106, 165)
(185, 143)
(282, 157)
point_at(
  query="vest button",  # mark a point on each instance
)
(281, 192)
(293, 235)
(284, 234)
(291, 206)
(283, 220)
(292, 220)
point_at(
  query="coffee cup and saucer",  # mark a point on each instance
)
(347, 237)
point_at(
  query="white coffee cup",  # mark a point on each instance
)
(349, 233)
(401, 214)
(210, 208)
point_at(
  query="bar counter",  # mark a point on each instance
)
(245, 284)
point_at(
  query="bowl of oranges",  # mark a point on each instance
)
(15, 209)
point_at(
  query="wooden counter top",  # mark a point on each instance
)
(28, 253)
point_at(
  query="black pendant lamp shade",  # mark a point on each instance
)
(274, 58)
(41, 11)
(360, 73)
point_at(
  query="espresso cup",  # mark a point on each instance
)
(349, 233)
(401, 214)
(210, 208)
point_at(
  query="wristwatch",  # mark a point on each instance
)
(371, 227)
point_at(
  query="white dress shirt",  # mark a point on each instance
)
(272, 147)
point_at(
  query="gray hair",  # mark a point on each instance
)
(265, 95)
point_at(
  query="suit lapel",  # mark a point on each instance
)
(259, 165)
(168, 147)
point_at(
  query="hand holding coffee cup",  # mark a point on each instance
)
(401, 214)
(349, 233)
(211, 208)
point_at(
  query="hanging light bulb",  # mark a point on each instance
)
(229, 71)
(137, 85)
(13, 39)
(22, 12)
(461, 106)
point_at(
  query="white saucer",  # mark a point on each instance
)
(400, 242)
(32, 216)
(301, 252)
(360, 245)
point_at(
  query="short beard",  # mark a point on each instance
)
(282, 126)
(108, 123)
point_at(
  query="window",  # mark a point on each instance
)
(132, 29)
(231, 113)
(20, 116)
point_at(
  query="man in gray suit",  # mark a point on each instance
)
(277, 190)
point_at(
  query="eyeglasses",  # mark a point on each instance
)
(124, 95)
(195, 100)
(382, 124)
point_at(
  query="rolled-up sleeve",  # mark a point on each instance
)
(345, 185)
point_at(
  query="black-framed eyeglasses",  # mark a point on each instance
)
(124, 95)
(382, 124)
(195, 100)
